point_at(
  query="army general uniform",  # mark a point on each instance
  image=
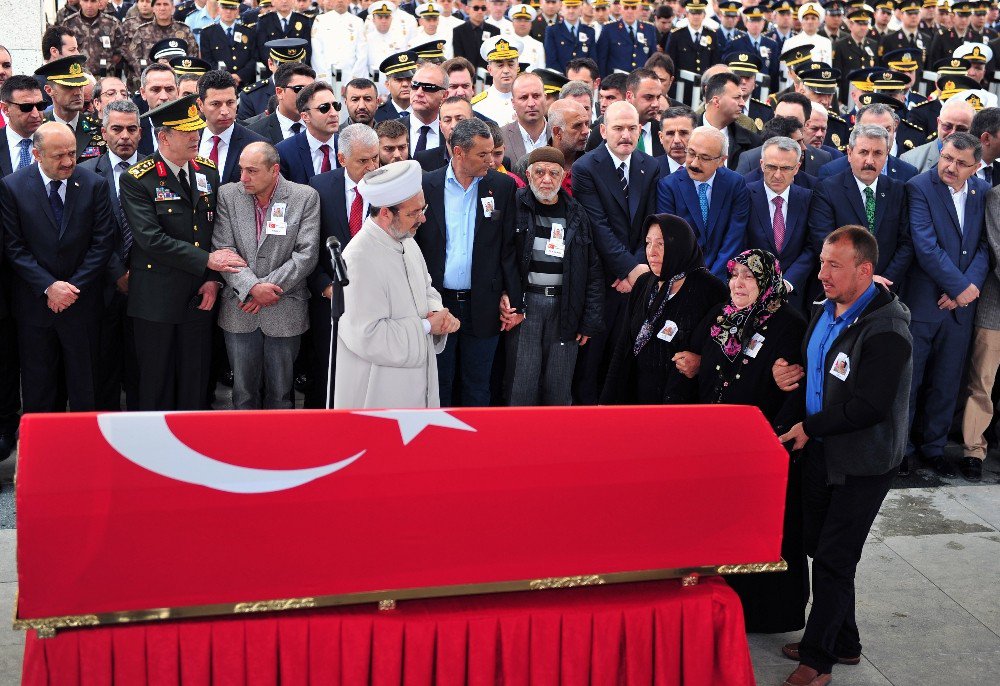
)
(171, 216)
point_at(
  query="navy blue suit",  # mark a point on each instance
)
(949, 258)
(296, 158)
(241, 138)
(838, 202)
(797, 255)
(41, 252)
(561, 46)
(772, 63)
(897, 168)
(834, 153)
(724, 236)
(617, 50)
(617, 230)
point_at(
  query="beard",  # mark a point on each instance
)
(544, 196)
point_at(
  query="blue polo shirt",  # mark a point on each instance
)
(824, 335)
(460, 230)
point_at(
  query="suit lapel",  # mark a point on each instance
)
(611, 166)
(854, 198)
(35, 179)
(232, 153)
(881, 200)
(72, 193)
(338, 196)
(436, 201)
(305, 155)
(636, 181)
(6, 166)
(944, 196)
(758, 199)
(694, 207)
(796, 212)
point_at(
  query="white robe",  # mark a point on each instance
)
(384, 358)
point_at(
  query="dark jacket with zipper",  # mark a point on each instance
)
(863, 423)
(581, 301)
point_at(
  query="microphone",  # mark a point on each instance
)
(337, 260)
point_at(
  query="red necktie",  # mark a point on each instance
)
(354, 221)
(778, 224)
(214, 155)
(325, 166)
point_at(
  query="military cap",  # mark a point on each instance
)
(952, 66)
(499, 48)
(753, 12)
(783, 6)
(743, 63)
(434, 50)
(399, 66)
(950, 84)
(428, 9)
(962, 7)
(631, 3)
(287, 49)
(929, 4)
(813, 8)
(731, 8)
(230, 4)
(943, 5)
(167, 48)
(833, 7)
(797, 55)
(974, 52)
(523, 11)
(879, 99)
(572, 3)
(552, 81)
(909, 5)
(860, 78)
(382, 7)
(889, 81)
(598, 4)
(860, 12)
(66, 71)
(264, 3)
(695, 5)
(978, 98)
(904, 59)
(180, 115)
(823, 80)
(886, 5)
(189, 65)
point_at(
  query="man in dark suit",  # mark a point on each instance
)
(282, 23)
(58, 232)
(222, 140)
(342, 212)
(947, 208)
(314, 151)
(812, 159)
(468, 242)
(169, 203)
(757, 45)
(710, 197)
(118, 366)
(616, 184)
(723, 105)
(778, 216)
(228, 44)
(65, 81)
(453, 110)
(158, 85)
(285, 121)
(467, 38)
(986, 127)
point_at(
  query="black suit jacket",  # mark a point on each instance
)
(595, 138)
(332, 222)
(268, 28)
(241, 138)
(296, 158)
(116, 263)
(269, 128)
(146, 139)
(433, 159)
(42, 252)
(236, 57)
(494, 258)
(5, 164)
(467, 38)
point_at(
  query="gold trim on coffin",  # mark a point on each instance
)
(386, 600)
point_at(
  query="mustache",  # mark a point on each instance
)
(869, 167)
(696, 170)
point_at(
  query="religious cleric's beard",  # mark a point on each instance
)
(394, 231)
(542, 196)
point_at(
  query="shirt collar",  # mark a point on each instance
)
(710, 182)
(771, 195)
(314, 142)
(271, 197)
(173, 167)
(72, 123)
(854, 311)
(225, 136)
(284, 122)
(862, 186)
(571, 26)
(617, 160)
(46, 180)
(115, 159)
(960, 191)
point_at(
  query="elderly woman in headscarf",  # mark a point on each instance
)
(664, 308)
(731, 354)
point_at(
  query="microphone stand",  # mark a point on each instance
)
(336, 309)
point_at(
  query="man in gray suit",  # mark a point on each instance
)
(530, 131)
(274, 225)
(956, 115)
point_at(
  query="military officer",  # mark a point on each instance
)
(547, 16)
(626, 44)
(194, 66)
(339, 44)
(169, 200)
(746, 65)
(552, 83)
(754, 41)
(397, 75)
(857, 50)
(64, 82)
(385, 36)
(162, 27)
(432, 51)
(729, 16)
(254, 98)
(281, 23)
(946, 40)
(833, 20)
(905, 62)
(501, 55)
(978, 56)
(909, 36)
(251, 17)
(568, 39)
(521, 16)
(925, 114)
(99, 36)
(782, 14)
(894, 85)
(227, 44)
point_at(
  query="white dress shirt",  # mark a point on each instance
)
(286, 125)
(959, 197)
(711, 184)
(771, 195)
(533, 144)
(317, 154)
(46, 181)
(14, 144)
(114, 159)
(72, 123)
(205, 149)
(433, 138)
(618, 161)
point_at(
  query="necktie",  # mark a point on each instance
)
(870, 209)
(123, 220)
(229, 34)
(631, 34)
(325, 165)
(756, 46)
(214, 155)
(703, 202)
(296, 128)
(185, 186)
(988, 174)
(573, 31)
(56, 201)
(24, 155)
(623, 179)
(778, 223)
(422, 139)
(697, 37)
(284, 25)
(354, 221)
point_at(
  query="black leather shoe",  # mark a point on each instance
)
(904, 467)
(972, 469)
(941, 466)
(6, 446)
(227, 379)
(302, 383)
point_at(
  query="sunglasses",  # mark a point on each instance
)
(28, 106)
(325, 107)
(296, 89)
(478, 8)
(426, 87)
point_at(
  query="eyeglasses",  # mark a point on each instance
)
(28, 106)
(426, 87)
(703, 158)
(953, 128)
(961, 164)
(772, 168)
(325, 107)
(478, 8)
(410, 215)
(296, 89)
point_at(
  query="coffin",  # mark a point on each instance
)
(139, 516)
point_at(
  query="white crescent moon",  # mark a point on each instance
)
(145, 439)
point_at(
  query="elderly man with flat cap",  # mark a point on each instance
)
(394, 323)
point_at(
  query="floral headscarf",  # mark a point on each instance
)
(730, 327)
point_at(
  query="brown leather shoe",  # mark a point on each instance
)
(807, 676)
(791, 651)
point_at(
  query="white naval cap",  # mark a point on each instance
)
(501, 47)
(392, 184)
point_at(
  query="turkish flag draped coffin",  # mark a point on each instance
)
(124, 512)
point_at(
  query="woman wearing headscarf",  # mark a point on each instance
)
(732, 353)
(664, 308)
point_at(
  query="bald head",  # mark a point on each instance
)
(621, 128)
(55, 150)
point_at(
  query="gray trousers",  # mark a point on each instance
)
(540, 366)
(262, 370)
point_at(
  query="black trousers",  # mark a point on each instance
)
(70, 345)
(119, 367)
(10, 378)
(595, 357)
(174, 361)
(836, 522)
(320, 331)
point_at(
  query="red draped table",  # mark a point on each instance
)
(654, 632)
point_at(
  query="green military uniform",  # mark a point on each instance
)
(68, 72)
(172, 232)
(101, 39)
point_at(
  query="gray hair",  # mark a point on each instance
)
(356, 135)
(715, 135)
(466, 131)
(267, 151)
(960, 140)
(781, 143)
(154, 67)
(869, 131)
(575, 88)
(818, 108)
(877, 109)
(122, 106)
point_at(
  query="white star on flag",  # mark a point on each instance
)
(412, 422)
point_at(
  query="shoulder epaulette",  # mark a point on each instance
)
(834, 115)
(478, 97)
(747, 123)
(918, 127)
(921, 104)
(204, 160)
(140, 169)
(676, 29)
(250, 25)
(761, 102)
(254, 86)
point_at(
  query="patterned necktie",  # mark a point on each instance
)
(778, 223)
(703, 202)
(354, 221)
(623, 179)
(870, 209)
(56, 202)
(24, 155)
(325, 165)
(123, 220)
(422, 139)
(214, 155)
